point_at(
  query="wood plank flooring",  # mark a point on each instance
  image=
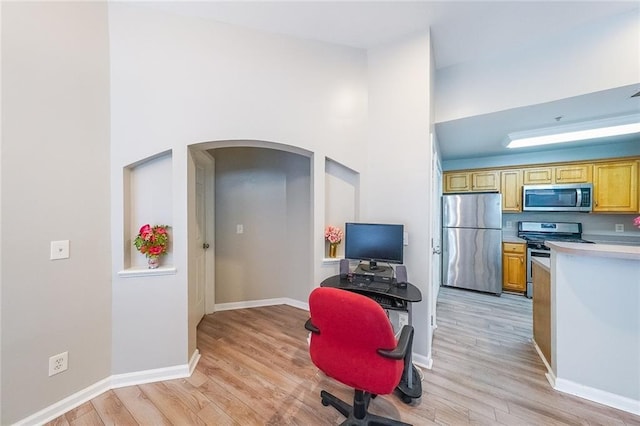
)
(255, 370)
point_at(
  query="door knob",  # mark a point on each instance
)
(436, 250)
(205, 246)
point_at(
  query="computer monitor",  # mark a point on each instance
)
(374, 242)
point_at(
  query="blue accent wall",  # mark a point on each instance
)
(612, 150)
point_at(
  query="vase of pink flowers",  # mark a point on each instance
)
(333, 235)
(636, 222)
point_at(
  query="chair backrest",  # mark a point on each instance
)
(352, 329)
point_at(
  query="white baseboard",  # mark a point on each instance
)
(149, 376)
(55, 410)
(596, 395)
(422, 361)
(112, 382)
(260, 303)
(550, 375)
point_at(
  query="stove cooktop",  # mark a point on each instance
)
(536, 233)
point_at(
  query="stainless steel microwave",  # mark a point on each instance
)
(558, 198)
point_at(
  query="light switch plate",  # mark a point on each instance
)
(59, 249)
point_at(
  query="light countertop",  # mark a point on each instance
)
(509, 238)
(615, 251)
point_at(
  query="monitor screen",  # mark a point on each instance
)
(375, 242)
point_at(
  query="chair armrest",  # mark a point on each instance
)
(404, 343)
(312, 328)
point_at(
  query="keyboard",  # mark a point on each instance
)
(384, 301)
(378, 286)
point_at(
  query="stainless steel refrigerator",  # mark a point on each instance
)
(472, 241)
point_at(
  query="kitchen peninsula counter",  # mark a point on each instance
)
(594, 322)
(615, 251)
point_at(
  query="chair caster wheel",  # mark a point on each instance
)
(325, 402)
(406, 399)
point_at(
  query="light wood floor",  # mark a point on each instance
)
(255, 370)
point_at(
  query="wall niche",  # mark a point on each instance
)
(148, 199)
(342, 195)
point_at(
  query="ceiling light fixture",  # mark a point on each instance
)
(598, 129)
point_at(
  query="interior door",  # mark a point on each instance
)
(200, 242)
(436, 233)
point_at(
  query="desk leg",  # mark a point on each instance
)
(410, 385)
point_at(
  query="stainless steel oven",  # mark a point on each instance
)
(536, 233)
(531, 253)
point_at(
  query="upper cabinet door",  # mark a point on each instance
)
(485, 181)
(457, 182)
(574, 173)
(538, 175)
(511, 190)
(615, 187)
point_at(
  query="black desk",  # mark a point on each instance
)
(396, 298)
(410, 293)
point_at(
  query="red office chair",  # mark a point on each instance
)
(352, 341)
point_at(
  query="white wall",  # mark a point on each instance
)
(595, 335)
(55, 186)
(596, 57)
(178, 81)
(396, 185)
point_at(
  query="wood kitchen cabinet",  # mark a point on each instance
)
(457, 182)
(616, 182)
(511, 190)
(615, 187)
(514, 267)
(472, 181)
(565, 173)
(573, 173)
(537, 175)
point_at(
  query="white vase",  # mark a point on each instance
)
(153, 261)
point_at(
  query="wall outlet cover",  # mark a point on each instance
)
(59, 250)
(58, 363)
(619, 227)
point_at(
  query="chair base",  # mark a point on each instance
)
(357, 413)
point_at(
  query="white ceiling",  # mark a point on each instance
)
(461, 31)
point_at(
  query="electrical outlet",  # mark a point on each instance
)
(509, 224)
(239, 229)
(619, 227)
(58, 363)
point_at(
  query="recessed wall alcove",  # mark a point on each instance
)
(147, 199)
(342, 195)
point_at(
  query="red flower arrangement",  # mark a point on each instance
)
(152, 241)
